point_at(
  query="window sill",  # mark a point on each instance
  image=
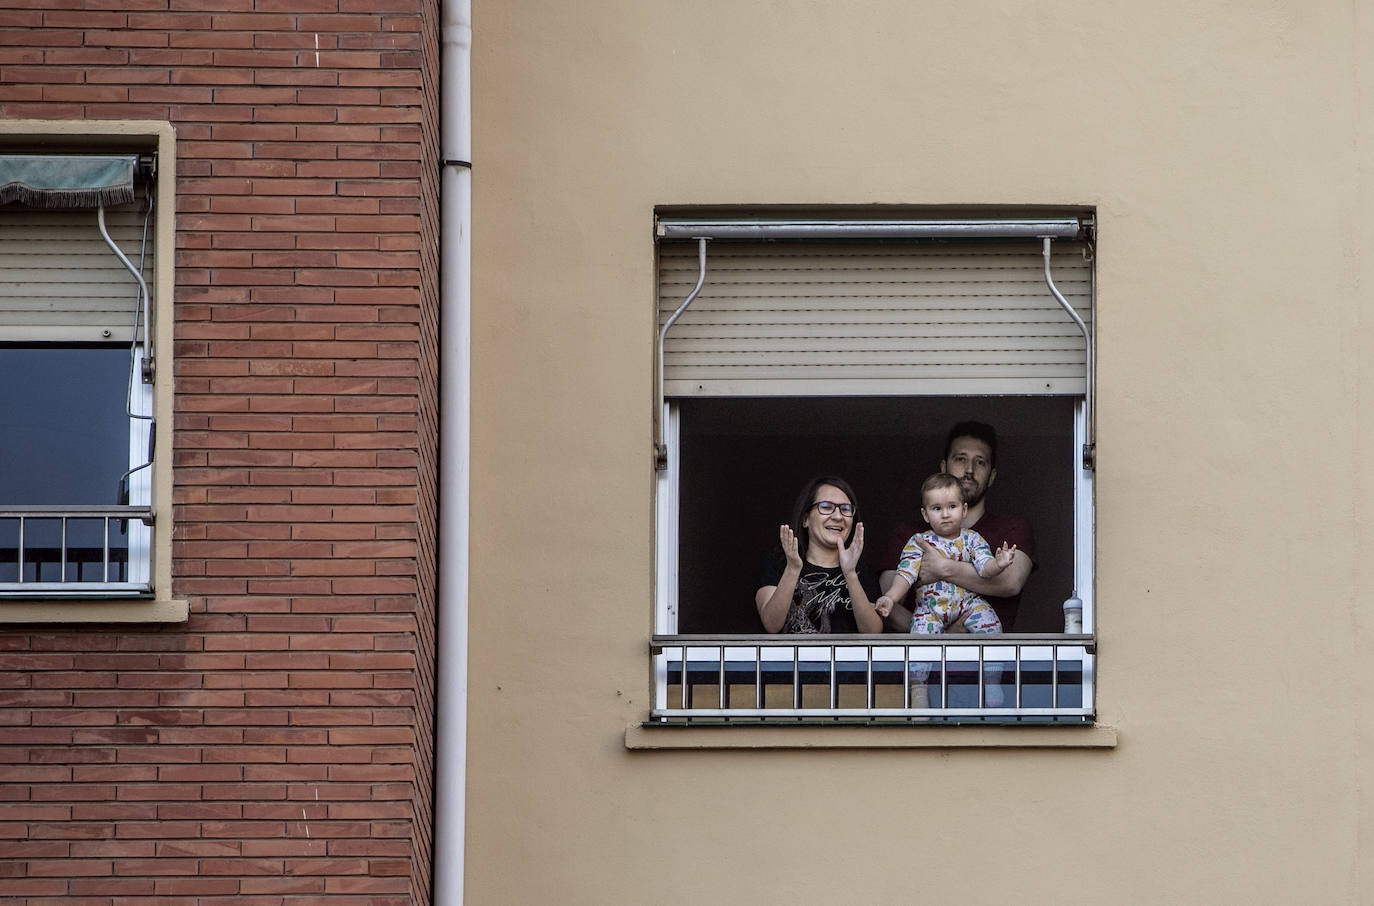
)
(640, 737)
(66, 610)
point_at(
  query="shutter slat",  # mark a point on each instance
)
(797, 346)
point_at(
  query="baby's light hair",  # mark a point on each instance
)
(939, 481)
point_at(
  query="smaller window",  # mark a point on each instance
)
(85, 529)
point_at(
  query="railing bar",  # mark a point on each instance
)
(1017, 649)
(105, 574)
(871, 690)
(906, 677)
(982, 692)
(1054, 675)
(721, 673)
(834, 686)
(683, 676)
(21, 551)
(944, 677)
(62, 576)
(76, 512)
(796, 677)
(758, 677)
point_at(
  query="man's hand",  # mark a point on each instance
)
(958, 625)
(935, 566)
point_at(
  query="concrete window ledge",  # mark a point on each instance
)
(60, 610)
(642, 738)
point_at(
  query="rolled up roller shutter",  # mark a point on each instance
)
(873, 317)
(59, 281)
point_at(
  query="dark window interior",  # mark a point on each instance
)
(66, 432)
(745, 459)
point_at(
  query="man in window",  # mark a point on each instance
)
(971, 457)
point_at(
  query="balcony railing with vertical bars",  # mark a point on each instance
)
(58, 551)
(1012, 678)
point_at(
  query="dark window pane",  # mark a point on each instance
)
(86, 550)
(42, 550)
(744, 459)
(67, 436)
(9, 550)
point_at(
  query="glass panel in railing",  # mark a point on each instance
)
(1037, 678)
(671, 666)
(999, 676)
(741, 689)
(1071, 663)
(925, 676)
(813, 675)
(9, 550)
(775, 668)
(889, 679)
(42, 550)
(851, 676)
(86, 551)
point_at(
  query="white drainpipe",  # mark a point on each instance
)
(455, 143)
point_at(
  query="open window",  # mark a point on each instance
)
(793, 347)
(85, 226)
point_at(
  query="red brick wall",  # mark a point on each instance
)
(279, 744)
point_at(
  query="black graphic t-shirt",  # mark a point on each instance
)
(821, 602)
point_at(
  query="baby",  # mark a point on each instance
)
(941, 604)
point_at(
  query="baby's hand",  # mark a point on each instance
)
(1004, 555)
(883, 605)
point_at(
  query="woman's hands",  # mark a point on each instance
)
(849, 556)
(773, 601)
(866, 614)
(789, 547)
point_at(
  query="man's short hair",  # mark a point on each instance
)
(978, 431)
(939, 481)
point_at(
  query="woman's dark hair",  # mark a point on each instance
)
(803, 507)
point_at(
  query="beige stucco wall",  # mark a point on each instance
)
(1224, 148)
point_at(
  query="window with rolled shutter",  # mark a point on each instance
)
(823, 344)
(792, 348)
(76, 255)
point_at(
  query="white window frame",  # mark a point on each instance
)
(666, 603)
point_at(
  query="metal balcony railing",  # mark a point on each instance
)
(1011, 678)
(56, 551)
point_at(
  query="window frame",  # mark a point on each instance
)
(159, 605)
(667, 541)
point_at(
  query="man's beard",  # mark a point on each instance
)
(973, 493)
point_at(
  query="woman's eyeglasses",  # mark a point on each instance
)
(826, 507)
